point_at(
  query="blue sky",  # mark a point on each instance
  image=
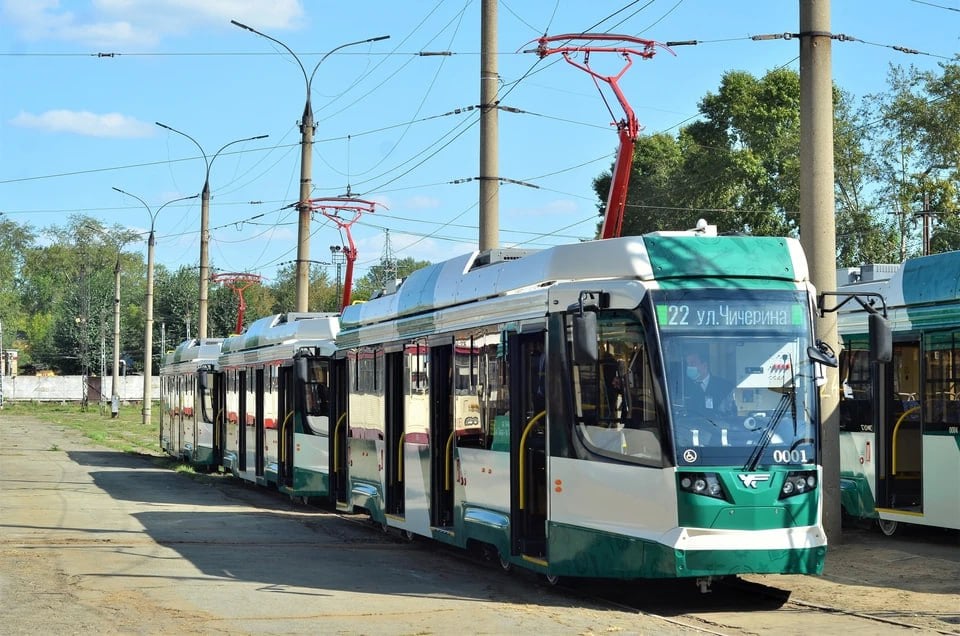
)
(394, 126)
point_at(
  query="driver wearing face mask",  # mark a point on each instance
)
(707, 393)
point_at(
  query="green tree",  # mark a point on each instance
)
(175, 301)
(916, 140)
(865, 233)
(738, 167)
(16, 241)
(371, 284)
(322, 293)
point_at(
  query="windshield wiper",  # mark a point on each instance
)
(767, 435)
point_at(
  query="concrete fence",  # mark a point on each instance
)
(70, 388)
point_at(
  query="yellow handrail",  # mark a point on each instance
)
(283, 438)
(336, 447)
(448, 459)
(400, 458)
(523, 443)
(893, 446)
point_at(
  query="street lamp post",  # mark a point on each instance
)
(307, 128)
(148, 331)
(115, 383)
(205, 224)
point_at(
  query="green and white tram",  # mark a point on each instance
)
(274, 383)
(900, 421)
(562, 429)
(187, 411)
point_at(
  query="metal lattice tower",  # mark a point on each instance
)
(387, 261)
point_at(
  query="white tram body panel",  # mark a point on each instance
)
(267, 344)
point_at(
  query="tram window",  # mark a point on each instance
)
(316, 388)
(856, 399)
(480, 398)
(617, 411)
(941, 407)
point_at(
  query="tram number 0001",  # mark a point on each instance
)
(790, 456)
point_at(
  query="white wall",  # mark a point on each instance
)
(69, 388)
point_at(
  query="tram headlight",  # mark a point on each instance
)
(797, 483)
(706, 484)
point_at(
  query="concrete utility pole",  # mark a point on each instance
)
(818, 226)
(3, 364)
(307, 128)
(115, 384)
(146, 407)
(489, 168)
(205, 225)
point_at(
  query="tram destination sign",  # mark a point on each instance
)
(746, 314)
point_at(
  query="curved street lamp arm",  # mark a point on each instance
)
(252, 30)
(236, 141)
(342, 46)
(195, 142)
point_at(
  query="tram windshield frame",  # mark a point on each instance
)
(762, 409)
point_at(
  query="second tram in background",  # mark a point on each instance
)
(187, 415)
(900, 421)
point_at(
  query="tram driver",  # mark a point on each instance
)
(706, 393)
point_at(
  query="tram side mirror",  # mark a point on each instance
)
(881, 339)
(585, 348)
(300, 369)
(822, 353)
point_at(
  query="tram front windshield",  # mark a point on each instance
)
(739, 382)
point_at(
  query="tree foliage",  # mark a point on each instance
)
(738, 167)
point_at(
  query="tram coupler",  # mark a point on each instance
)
(704, 584)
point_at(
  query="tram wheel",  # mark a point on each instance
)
(887, 527)
(505, 564)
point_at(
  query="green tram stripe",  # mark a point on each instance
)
(721, 258)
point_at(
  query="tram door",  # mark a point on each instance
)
(393, 441)
(285, 417)
(528, 448)
(440, 371)
(242, 421)
(339, 463)
(899, 439)
(176, 422)
(218, 401)
(260, 434)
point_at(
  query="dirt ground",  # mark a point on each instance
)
(912, 578)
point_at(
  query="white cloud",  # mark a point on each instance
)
(136, 24)
(85, 123)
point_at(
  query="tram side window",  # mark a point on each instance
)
(856, 399)
(616, 407)
(488, 396)
(205, 380)
(316, 388)
(250, 416)
(941, 407)
(415, 378)
(466, 387)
